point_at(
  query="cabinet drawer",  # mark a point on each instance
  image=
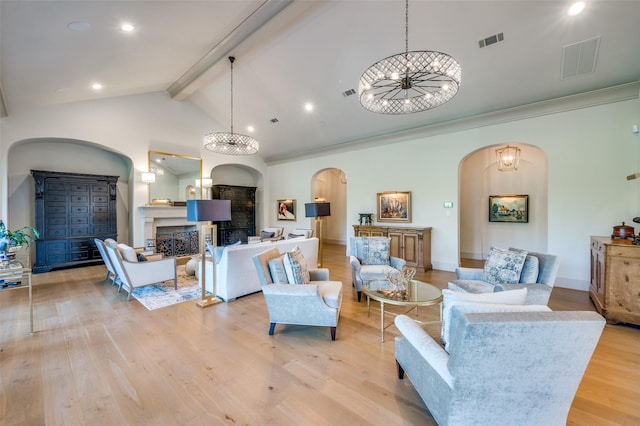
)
(79, 209)
(83, 220)
(631, 251)
(79, 199)
(100, 209)
(78, 245)
(100, 188)
(56, 232)
(99, 199)
(56, 209)
(53, 221)
(79, 230)
(81, 255)
(79, 187)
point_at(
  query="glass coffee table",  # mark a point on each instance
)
(416, 294)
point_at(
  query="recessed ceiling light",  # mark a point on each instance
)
(250, 129)
(576, 8)
(96, 86)
(127, 28)
(308, 106)
(79, 26)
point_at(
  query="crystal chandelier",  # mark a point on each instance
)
(508, 158)
(230, 143)
(409, 82)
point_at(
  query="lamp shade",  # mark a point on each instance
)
(317, 209)
(208, 210)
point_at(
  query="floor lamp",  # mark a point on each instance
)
(208, 211)
(318, 210)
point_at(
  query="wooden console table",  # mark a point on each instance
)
(409, 243)
(615, 279)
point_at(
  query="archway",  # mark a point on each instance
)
(331, 185)
(478, 179)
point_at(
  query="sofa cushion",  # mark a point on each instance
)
(266, 234)
(450, 298)
(503, 266)
(373, 250)
(277, 231)
(296, 267)
(277, 270)
(530, 270)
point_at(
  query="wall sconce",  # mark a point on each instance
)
(508, 158)
(148, 178)
(205, 183)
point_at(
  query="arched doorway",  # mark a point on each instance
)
(479, 178)
(331, 185)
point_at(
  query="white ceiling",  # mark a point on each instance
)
(310, 51)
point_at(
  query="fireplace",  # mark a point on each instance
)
(177, 240)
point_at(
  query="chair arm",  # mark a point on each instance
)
(153, 271)
(429, 349)
(396, 262)
(355, 263)
(469, 273)
(320, 274)
(290, 289)
(537, 294)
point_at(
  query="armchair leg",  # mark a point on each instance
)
(175, 283)
(359, 296)
(400, 371)
(106, 278)
(271, 328)
(333, 333)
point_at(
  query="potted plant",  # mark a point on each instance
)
(10, 240)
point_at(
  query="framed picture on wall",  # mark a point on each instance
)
(394, 206)
(509, 208)
(286, 209)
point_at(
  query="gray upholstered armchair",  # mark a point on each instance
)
(538, 275)
(369, 258)
(316, 303)
(504, 368)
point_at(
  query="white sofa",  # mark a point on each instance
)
(235, 272)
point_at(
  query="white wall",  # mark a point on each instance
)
(590, 151)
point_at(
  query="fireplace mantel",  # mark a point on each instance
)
(154, 216)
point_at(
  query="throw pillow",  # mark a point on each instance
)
(296, 267)
(141, 257)
(373, 250)
(290, 236)
(530, 270)
(265, 234)
(460, 308)
(450, 298)
(503, 266)
(277, 270)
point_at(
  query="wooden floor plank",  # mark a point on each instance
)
(97, 359)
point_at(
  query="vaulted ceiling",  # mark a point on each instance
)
(293, 52)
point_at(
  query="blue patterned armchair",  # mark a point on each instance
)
(370, 259)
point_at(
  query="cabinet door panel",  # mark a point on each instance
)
(410, 248)
(396, 245)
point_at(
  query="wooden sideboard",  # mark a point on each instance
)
(409, 243)
(615, 279)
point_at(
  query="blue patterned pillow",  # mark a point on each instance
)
(529, 274)
(296, 267)
(503, 266)
(373, 250)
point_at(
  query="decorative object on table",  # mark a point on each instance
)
(399, 282)
(10, 241)
(231, 143)
(208, 211)
(366, 218)
(318, 209)
(508, 158)
(287, 209)
(623, 232)
(409, 82)
(394, 206)
(509, 208)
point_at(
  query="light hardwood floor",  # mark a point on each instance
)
(97, 359)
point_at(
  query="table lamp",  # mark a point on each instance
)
(318, 210)
(208, 211)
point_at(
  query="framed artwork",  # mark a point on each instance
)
(394, 206)
(509, 208)
(286, 209)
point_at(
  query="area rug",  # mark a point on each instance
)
(160, 295)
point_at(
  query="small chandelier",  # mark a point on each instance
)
(508, 158)
(409, 82)
(230, 143)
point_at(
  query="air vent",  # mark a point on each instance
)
(274, 120)
(349, 92)
(580, 58)
(491, 40)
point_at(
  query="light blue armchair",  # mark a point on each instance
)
(505, 368)
(538, 276)
(370, 259)
(317, 303)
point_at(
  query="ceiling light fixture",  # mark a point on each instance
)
(508, 158)
(409, 82)
(576, 8)
(231, 143)
(96, 86)
(308, 106)
(127, 28)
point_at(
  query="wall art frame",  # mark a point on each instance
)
(286, 209)
(510, 208)
(394, 206)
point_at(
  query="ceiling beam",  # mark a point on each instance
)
(188, 83)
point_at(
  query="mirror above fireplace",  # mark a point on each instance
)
(175, 177)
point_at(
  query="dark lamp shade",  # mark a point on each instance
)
(208, 210)
(317, 209)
